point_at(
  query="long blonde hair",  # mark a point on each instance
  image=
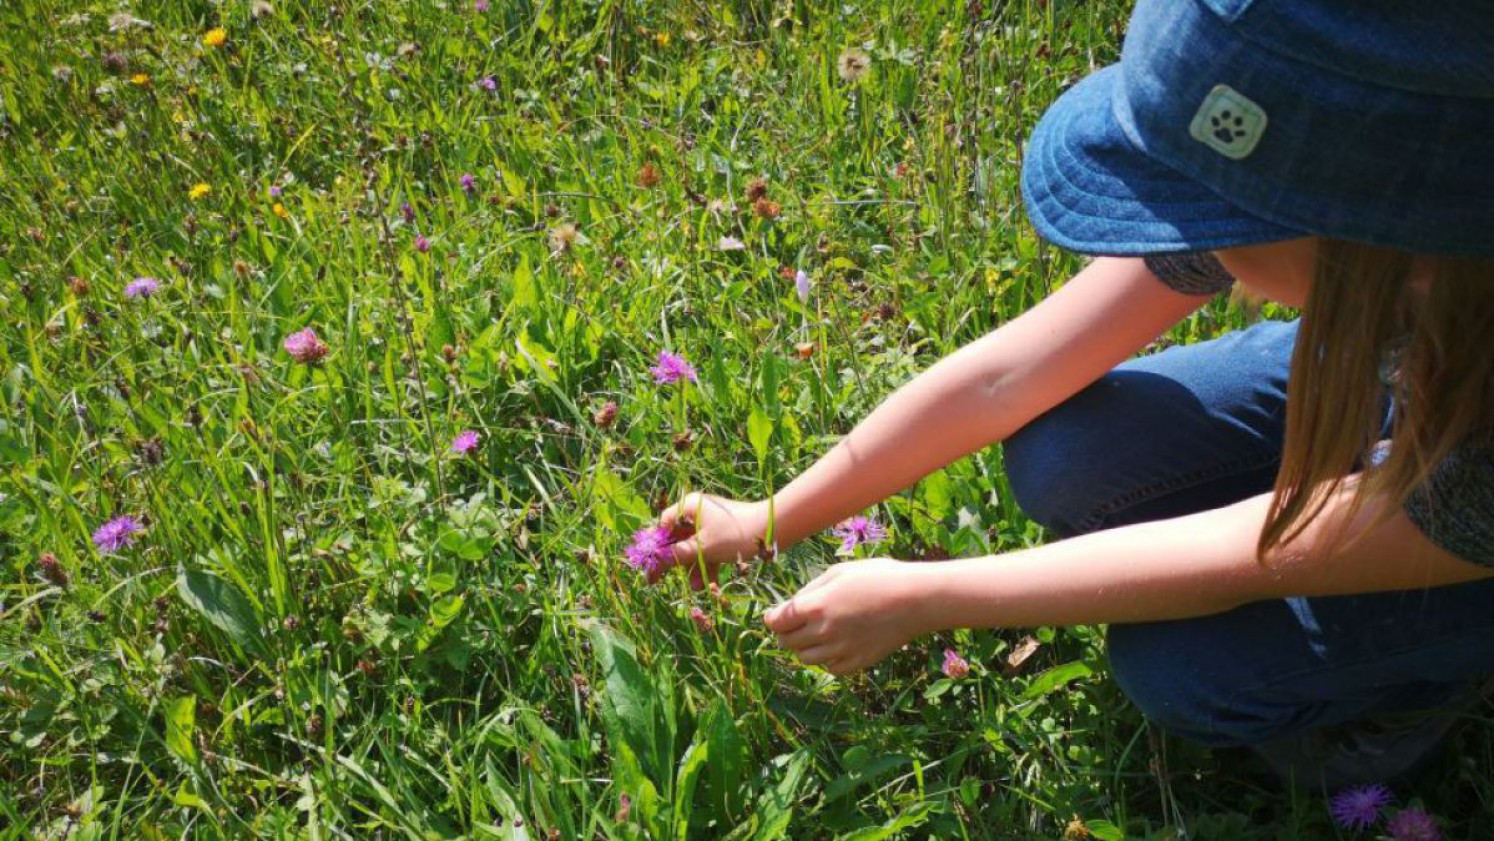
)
(1372, 324)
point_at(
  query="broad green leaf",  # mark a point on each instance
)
(503, 802)
(181, 721)
(684, 787)
(1056, 677)
(221, 603)
(776, 807)
(616, 497)
(772, 374)
(759, 431)
(189, 799)
(523, 281)
(726, 766)
(12, 449)
(445, 610)
(1105, 831)
(464, 546)
(862, 770)
(938, 496)
(913, 816)
(632, 706)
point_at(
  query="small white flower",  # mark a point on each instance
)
(120, 21)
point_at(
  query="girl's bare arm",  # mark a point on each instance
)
(856, 613)
(1191, 566)
(985, 391)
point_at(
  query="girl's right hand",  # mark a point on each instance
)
(712, 531)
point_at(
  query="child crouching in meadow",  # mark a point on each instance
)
(1290, 529)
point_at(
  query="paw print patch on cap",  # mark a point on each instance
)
(1229, 123)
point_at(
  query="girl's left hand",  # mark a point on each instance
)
(853, 615)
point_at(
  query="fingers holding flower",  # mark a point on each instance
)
(853, 615)
(706, 531)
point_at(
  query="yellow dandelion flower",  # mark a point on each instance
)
(661, 38)
(198, 191)
(140, 80)
(280, 211)
(215, 37)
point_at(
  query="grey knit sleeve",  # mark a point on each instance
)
(1454, 508)
(1190, 272)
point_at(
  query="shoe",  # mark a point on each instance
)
(1379, 748)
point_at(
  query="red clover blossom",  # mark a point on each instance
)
(702, 620)
(955, 666)
(1413, 825)
(305, 347)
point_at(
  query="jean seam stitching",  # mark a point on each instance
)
(1168, 486)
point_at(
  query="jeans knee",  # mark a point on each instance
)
(1041, 470)
(1172, 675)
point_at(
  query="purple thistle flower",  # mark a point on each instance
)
(801, 285)
(304, 346)
(465, 442)
(650, 550)
(672, 368)
(408, 212)
(1359, 807)
(480, 5)
(1413, 825)
(488, 83)
(275, 191)
(117, 534)
(954, 666)
(858, 531)
(468, 183)
(422, 244)
(142, 287)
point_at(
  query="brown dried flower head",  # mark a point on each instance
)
(564, 237)
(853, 65)
(757, 189)
(606, 416)
(51, 570)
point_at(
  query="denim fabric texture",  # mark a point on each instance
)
(1197, 427)
(1368, 121)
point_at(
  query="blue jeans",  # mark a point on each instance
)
(1200, 426)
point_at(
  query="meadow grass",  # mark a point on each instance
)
(334, 626)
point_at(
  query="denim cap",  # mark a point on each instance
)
(1232, 122)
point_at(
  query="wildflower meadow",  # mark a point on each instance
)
(351, 350)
